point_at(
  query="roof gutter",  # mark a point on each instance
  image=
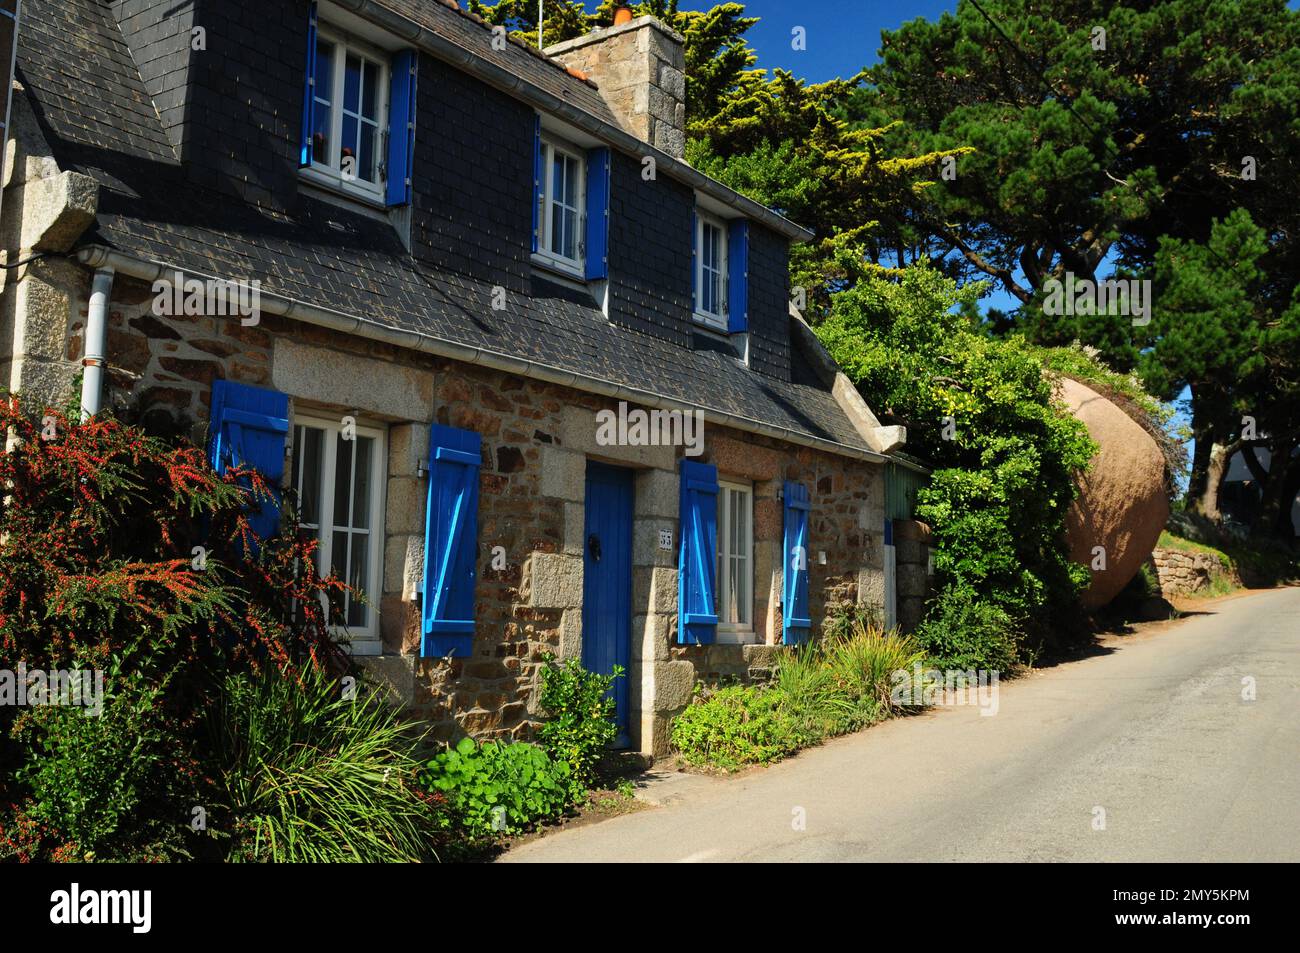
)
(439, 46)
(99, 256)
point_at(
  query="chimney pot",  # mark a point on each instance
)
(622, 15)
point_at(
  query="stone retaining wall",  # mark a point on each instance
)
(1182, 572)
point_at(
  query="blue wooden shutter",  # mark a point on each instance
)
(738, 276)
(401, 128)
(697, 563)
(537, 179)
(597, 213)
(796, 624)
(308, 92)
(450, 543)
(248, 427)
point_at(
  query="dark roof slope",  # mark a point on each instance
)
(328, 256)
(470, 33)
(90, 88)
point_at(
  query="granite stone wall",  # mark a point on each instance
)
(537, 441)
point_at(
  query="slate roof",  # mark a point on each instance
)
(468, 32)
(94, 111)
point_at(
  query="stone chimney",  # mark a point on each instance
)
(640, 68)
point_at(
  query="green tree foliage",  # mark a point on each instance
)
(783, 142)
(1081, 152)
(565, 19)
(1220, 332)
(1132, 132)
(980, 409)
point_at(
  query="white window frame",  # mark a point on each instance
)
(717, 321)
(730, 630)
(330, 173)
(576, 267)
(362, 640)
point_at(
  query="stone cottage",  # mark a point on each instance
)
(533, 380)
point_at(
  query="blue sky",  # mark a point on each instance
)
(843, 35)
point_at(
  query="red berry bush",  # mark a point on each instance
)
(127, 554)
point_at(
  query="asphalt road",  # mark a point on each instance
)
(1147, 752)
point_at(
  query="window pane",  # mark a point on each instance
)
(324, 71)
(571, 182)
(320, 137)
(352, 84)
(744, 572)
(569, 248)
(342, 481)
(361, 492)
(366, 167)
(369, 90)
(339, 555)
(349, 144)
(307, 443)
(718, 600)
(733, 519)
(358, 577)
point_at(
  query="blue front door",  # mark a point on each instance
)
(607, 581)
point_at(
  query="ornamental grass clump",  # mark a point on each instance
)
(315, 770)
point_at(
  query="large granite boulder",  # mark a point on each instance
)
(1122, 505)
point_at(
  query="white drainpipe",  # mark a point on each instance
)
(92, 380)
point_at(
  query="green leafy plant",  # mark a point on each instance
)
(580, 721)
(963, 631)
(496, 788)
(312, 775)
(105, 780)
(737, 726)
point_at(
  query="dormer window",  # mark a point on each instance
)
(358, 115)
(349, 99)
(561, 216)
(710, 271)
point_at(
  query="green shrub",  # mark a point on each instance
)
(820, 689)
(310, 775)
(497, 788)
(104, 781)
(581, 718)
(98, 571)
(864, 661)
(979, 410)
(963, 631)
(739, 725)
